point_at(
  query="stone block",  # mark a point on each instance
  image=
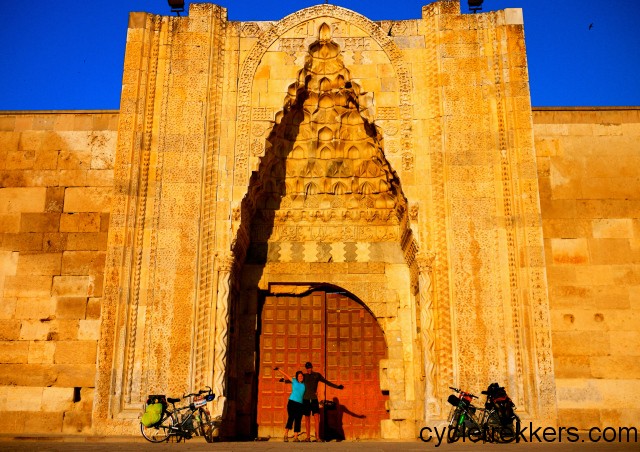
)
(390, 429)
(40, 222)
(20, 160)
(10, 223)
(42, 309)
(101, 178)
(96, 241)
(94, 306)
(87, 199)
(43, 423)
(608, 188)
(86, 400)
(625, 343)
(401, 415)
(72, 286)
(7, 307)
(9, 330)
(75, 352)
(46, 160)
(76, 423)
(408, 429)
(83, 262)
(14, 352)
(89, 330)
(63, 330)
(54, 242)
(39, 264)
(613, 228)
(596, 275)
(22, 199)
(27, 286)
(54, 199)
(621, 418)
(71, 307)
(569, 251)
(41, 352)
(30, 140)
(582, 419)
(22, 242)
(610, 251)
(80, 222)
(102, 145)
(57, 399)
(47, 375)
(615, 367)
(25, 398)
(15, 421)
(34, 330)
(26, 375)
(72, 178)
(572, 366)
(559, 208)
(585, 343)
(8, 263)
(104, 222)
(75, 375)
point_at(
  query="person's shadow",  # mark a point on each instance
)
(331, 416)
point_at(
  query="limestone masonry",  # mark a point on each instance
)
(324, 188)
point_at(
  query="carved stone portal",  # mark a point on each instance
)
(393, 162)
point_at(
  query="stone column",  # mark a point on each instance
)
(424, 261)
(223, 267)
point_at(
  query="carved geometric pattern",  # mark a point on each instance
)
(270, 36)
(324, 177)
(508, 209)
(132, 328)
(442, 308)
(208, 278)
(424, 261)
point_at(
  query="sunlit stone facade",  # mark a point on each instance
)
(399, 162)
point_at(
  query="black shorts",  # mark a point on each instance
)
(310, 407)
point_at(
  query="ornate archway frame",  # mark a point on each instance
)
(399, 376)
(242, 153)
(266, 40)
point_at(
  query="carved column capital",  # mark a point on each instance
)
(425, 260)
(224, 262)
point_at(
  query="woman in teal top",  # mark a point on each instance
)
(294, 405)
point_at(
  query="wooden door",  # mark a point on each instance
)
(345, 344)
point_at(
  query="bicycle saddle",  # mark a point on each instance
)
(170, 400)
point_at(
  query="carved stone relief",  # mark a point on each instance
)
(298, 20)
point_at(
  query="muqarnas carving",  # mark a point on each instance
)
(324, 160)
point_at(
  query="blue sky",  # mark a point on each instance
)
(69, 55)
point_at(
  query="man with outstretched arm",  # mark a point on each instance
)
(310, 404)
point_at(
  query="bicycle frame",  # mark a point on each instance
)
(464, 422)
(183, 422)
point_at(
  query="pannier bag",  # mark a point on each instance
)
(497, 396)
(152, 414)
(453, 400)
(154, 408)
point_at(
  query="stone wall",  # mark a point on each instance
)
(56, 177)
(589, 174)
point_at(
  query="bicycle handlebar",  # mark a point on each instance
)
(463, 392)
(207, 391)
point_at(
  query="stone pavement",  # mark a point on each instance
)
(96, 444)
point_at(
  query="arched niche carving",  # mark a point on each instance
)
(270, 36)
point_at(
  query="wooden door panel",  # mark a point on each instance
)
(344, 342)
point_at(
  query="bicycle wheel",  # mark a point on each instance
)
(206, 428)
(455, 428)
(473, 432)
(159, 432)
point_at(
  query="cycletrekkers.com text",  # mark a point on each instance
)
(530, 434)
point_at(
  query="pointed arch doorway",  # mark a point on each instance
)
(344, 342)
